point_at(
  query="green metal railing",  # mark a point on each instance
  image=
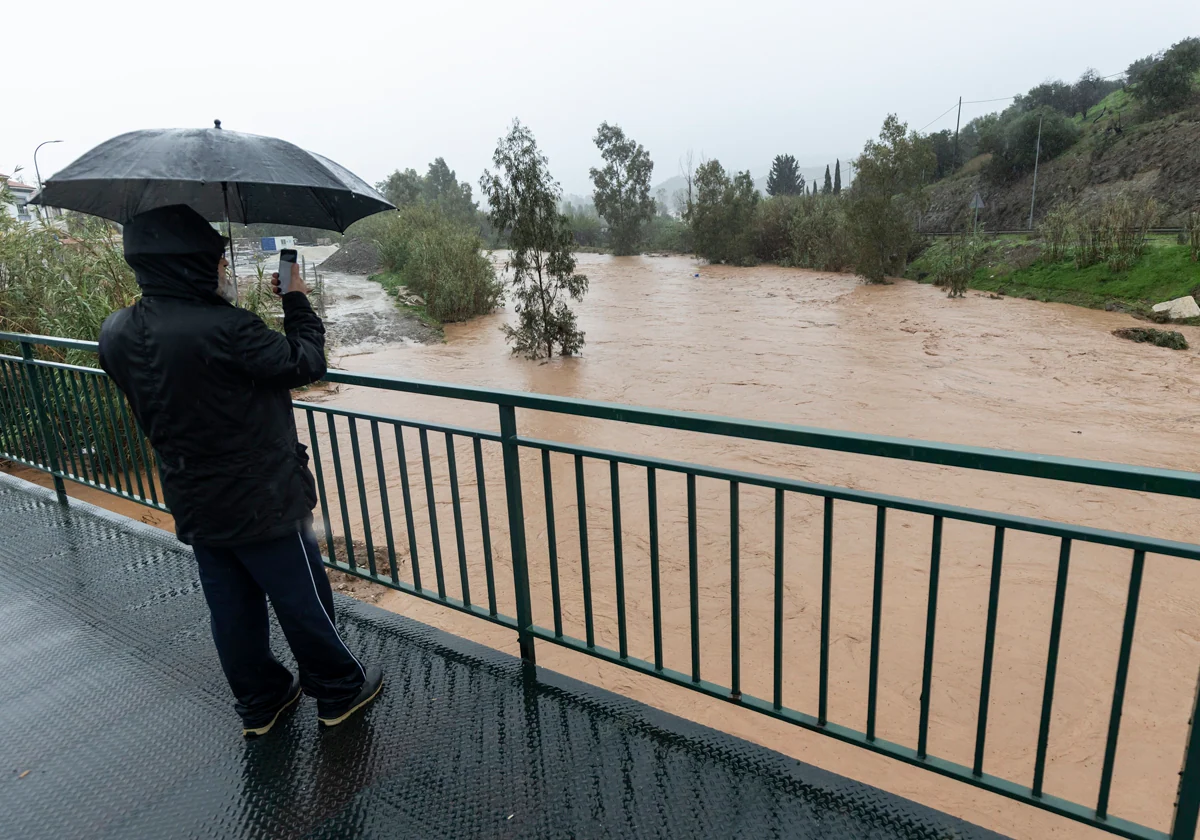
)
(69, 421)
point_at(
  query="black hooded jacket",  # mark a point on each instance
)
(209, 384)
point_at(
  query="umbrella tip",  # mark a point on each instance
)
(216, 123)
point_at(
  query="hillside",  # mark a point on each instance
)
(1158, 159)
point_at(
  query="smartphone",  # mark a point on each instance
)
(287, 259)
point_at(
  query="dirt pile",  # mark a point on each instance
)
(356, 256)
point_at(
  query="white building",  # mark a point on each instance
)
(18, 207)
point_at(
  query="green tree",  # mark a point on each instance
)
(523, 200)
(1014, 145)
(828, 188)
(885, 199)
(1167, 84)
(442, 187)
(722, 216)
(785, 177)
(837, 177)
(402, 188)
(622, 194)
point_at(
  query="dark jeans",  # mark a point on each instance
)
(237, 583)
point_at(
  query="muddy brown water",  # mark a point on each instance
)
(822, 350)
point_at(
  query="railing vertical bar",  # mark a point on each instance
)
(1060, 597)
(87, 452)
(486, 527)
(109, 399)
(778, 669)
(655, 589)
(552, 542)
(381, 478)
(431, 504)
(131, 434)
(876, 618)
(935, 562)
(584, 561)
(148, 467)
(62, 417)
(368, 542)
(99, 436)
(735, 598)
(456, 508)
(319, 474)
(341, 488)
(826, 588)
(1187, 799)
(618, 560)
(44, 422)
(516, 530)
(10, 409)
(16, 409)
(1118, 703)
(989, 651)
(693, 576)
(409, 521)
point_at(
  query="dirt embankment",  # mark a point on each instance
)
(356, 256)
(1160, 160)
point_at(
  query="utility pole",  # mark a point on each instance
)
(957, 123)
(1036, 157)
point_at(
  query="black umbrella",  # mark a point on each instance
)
(223, 175)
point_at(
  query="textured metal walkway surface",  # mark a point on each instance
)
(115, 722)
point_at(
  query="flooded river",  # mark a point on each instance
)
(822, 350)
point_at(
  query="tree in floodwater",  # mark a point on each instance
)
(785, 177)
(886, 199)
(837, 177)
(622, 194)
(523, 200)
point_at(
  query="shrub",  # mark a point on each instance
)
(954, 265)
(1192, 225)
(804, 231)
(438, 259)
(64, 283)
(1159, 338)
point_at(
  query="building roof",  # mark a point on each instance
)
(16, 185)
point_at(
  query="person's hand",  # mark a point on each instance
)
(297, 284)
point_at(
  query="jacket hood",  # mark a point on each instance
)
(174, 252)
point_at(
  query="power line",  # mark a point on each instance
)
(935, 119)
(983, 101)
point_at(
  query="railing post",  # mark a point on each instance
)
(45, 427)
(516, 528)
(1187, 801)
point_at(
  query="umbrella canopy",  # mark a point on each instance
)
(215, 172)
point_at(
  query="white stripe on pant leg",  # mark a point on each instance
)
(328, 617)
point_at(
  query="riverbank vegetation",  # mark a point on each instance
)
(426, 253)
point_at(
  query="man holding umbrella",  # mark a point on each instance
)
(209, 384)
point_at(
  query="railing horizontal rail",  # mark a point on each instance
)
(1117, 539)
(462, 431)
(1099, 473)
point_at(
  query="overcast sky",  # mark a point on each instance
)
(380, 85)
